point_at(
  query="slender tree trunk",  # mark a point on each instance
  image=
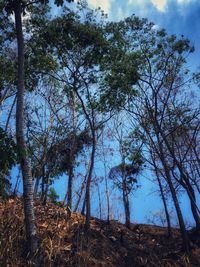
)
(108, 199)
(193, 204)
(159, 132)
(35, 191)
(106, 182)
(83, 207)
(44, 201)
(126, 205)
(184, 176)
(17, 184)
(169, 229)
(191, 194)
(80, 194)
(43, 184)
(175, 200)
(72, 157)
(178, 211)
(31, 233)
(87, 193)
(68, 195)
(163, 198)
(99, 197)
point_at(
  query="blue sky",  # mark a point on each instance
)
(181, 17)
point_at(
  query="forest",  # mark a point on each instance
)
(101, 104)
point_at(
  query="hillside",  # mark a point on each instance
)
(63, 242)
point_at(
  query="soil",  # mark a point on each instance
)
(63, 242)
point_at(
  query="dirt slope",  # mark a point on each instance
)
(63, 242)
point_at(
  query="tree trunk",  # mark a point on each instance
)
(17, 184)
(126, 205)
(108, 199)
(184, 176)
(159, 132)
(191, 194)
(47, 182)
(83, 207)
(163, 198)
(99, 197)
(68, 195)
(31, 234)
(35, 191)
(80, 194)
(87, 193)
(43, 184)
(106, 183)
(175, 200)
(192, 197)
(165, 207)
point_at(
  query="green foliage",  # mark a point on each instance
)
(7, 151)
(53, 196)
(8, 159)
(9, 5)
(118, 84)
(7, 53)
(124, 175)
(63, 149)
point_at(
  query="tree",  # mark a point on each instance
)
(161, 79)
(79, 50)
(53, 196)
(18, 8)
(124, 175)
(8, 160)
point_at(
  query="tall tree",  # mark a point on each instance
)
(18, 7)
(124, 175)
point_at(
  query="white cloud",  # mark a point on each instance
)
(184, 1)
(136, 1)
(161, 5)
(104, 4)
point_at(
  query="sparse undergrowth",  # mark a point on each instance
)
(63, 242)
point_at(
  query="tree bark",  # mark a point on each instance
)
(165, 205)
(99, 197)
(69, 192)
(162, 196)
(106, 182)
(35, 191)
(191, 194)
(87, 193)
(31, 233)
(47, 183)
(160, 153)
(16, 184)
(126, 206)
(175, 200)
(189, 188)
(80, 194)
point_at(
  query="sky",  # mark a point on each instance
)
(181, 17)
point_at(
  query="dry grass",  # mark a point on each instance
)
(64, 243)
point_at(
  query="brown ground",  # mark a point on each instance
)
(63, 242)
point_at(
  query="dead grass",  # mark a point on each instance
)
(63, 242)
